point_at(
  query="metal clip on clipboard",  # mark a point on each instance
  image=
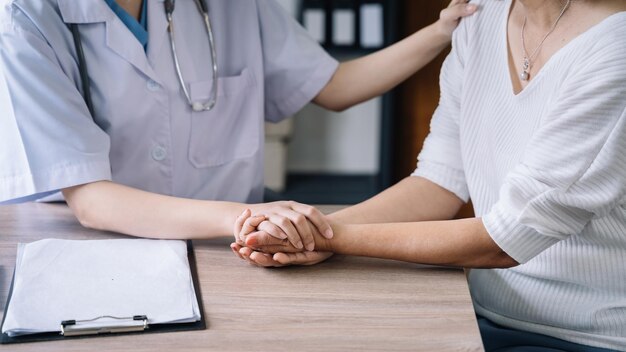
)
(134, 323)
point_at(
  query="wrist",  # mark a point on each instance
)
(334, 218)
(229, 214)
(333, 245)
(440, 32)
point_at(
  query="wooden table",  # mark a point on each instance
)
(345, 303)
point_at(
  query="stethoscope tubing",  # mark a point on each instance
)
(169, 6)
(82, 68)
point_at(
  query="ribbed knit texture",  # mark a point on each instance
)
(546, 171)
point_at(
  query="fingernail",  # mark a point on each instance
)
(276, 257)
(470, 8)
(282, 236)
(328, 234)
(299, 245)
(310, 246)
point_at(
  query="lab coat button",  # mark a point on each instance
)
(153, 86)
(158, 153)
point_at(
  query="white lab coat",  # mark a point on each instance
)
(144, 134)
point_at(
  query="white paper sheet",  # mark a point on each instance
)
(58, 280)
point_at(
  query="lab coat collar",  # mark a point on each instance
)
(89, 11)
(118, 36)
(85, 11)
(122, 41)
(157, 27)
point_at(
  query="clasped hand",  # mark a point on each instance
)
(281, 233)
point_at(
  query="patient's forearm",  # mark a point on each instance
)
(463, 243)
(113, 207)
(412, 199)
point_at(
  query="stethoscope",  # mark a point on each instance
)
(169, 10)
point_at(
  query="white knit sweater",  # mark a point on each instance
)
(546, 171)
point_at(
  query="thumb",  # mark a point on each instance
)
(456, 12)
(262, 238)
(301, 258)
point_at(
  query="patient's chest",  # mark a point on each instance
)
(496, 125)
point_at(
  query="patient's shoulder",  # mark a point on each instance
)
(482, 33)
(487, 25)
(603, 44)
(491, 13)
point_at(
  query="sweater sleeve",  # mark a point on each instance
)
(440, 159)
(574, 167)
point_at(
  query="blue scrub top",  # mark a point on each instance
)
(139, 29)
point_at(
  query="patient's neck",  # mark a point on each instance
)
(542, 13)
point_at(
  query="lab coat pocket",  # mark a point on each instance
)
(231, 130)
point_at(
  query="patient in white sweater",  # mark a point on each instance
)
(532, 127)
(544, 162)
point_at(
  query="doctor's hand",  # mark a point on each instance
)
(247, 225)
(450, 17)
(288, 220)
(280, 259)
(253, 236)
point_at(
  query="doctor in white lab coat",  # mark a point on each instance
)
(147, 164)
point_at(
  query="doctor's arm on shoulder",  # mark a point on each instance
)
(364, 78)
(108, 206)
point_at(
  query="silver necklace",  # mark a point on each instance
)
(528, 59)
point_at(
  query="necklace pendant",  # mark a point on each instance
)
(524, 76)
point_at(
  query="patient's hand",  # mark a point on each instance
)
(271, 250)
(258, 232)
(263, 242)
(287, 220)
(280, 259)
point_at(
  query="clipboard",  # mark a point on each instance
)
(146, 329)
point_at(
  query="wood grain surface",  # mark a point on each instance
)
(343, 304)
